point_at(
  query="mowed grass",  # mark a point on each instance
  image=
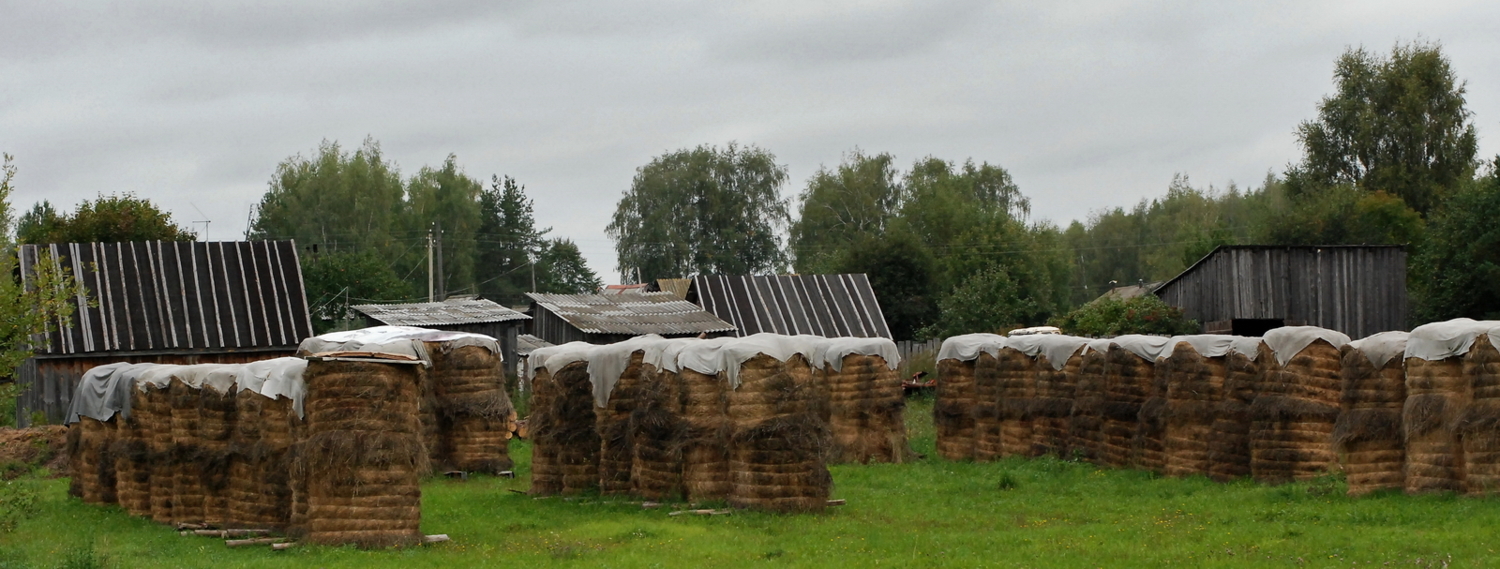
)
(931, 513)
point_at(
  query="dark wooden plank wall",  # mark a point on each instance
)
(1356, 290)
(48, 383)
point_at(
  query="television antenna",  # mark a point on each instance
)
(205, 221)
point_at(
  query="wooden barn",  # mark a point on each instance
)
(457, 314)
(821, 305)
(164, 302)
(1247, 289)
(610, 318)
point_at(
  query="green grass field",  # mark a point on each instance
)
(932, 513)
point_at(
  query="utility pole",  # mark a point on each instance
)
(442, 277)
(429, 264)
(532, 259)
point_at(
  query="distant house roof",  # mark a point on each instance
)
(452, 311)
(823, 305)
(1131, 291)
(678, 287)
(631, 313)
(526, 343)
(157, 296)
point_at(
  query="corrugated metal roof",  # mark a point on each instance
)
(678, 287)
(822, 305)
(451, 311)
(526, 343)
(633, 313)
(176, 296)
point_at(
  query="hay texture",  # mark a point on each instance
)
(1086, 423)
(364, 455)
(156, 415)
(1229, 441)
(563, 432)
(1194, 390)
(779, 439)
(953, 414)
(188, 493)
(989, 431)
(132, 453)
(1128, 381)
(612, 422)
(705, 443)
(1367, 436)
(1293, 414)
(657, 431)
(1052, 408)
(866, 411)
(473, 412)
(217, 414)
(91, 459)
(1479, 424)
(1016, 387)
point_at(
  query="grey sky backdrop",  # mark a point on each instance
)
(1089, 105)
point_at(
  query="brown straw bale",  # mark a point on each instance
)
(1052, 408)
(1128, 381)
(216, 426)
(157, 425)
(953, 412)
(1437, 394)
(704, 446)
(562, 425)
(799, 444)
(1017, 382)
(612, 421)
(132, 452)
(474, 413)
(988, 412)
(1478, 426)
(1293, 415)
(866, 409)
(187, 454)
(1368, 436)
(546, 478)
(1086, 423)
(93, 462)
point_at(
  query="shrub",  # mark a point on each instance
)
(1106, 317)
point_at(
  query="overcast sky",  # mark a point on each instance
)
(1089, 105)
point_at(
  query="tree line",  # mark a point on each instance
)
(1390, 158)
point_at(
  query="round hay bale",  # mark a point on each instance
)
(1479, 424)
(779, 407)
(563, 430)
(1294, 413)
(988, 444)
(474, 412)
(953, 414)
(1194, 393)
(1052, 409)
(546, 477)
(350, 459)
(612, 421)
(657, 428)
(93, 461)
(216, 425)
(157, 424)
(187, 454)
(1127, 383)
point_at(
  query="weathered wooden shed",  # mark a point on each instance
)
(821, 305)
(164, 302)
(457, 314)
(1247, 289)
(610, 318)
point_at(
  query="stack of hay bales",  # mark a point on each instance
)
(1195, 372)
(615, 373)
(1056, 361)
(865, 401)
(1296, 405)
(778, 415)
(1149, 448)
(1367, 436)
(1129, 378)
(216, 426)
(473, 414)
(1479, 425)
(565, 442)
(132, 447)
(1229, 442)
(659, 427)
(1015, 392)
(1439, 390)
(156, 409)
(364, 454)
(1086, 424)
(989, 416)
(956, 405)
(101, 393)
(705, 444)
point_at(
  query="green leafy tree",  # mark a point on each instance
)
(1108, 317)
(339, 201)
(446, 199)
(509, 241)
(843, 206)
(1457, 272)
(706, 210)
(107, 219)
(561, 269)
(987, 301)
(336, 280)
(902, 274)
(41, 304)
(1397, 124)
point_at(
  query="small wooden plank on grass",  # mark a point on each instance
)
(838, 502)
(650, 505)
(253, 541)
(723, 512)
(283, 545)
(436, 538)
(227, 533)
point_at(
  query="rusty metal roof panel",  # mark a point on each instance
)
(822, 305)
(451, 311)
(632, 313)
(154, 296)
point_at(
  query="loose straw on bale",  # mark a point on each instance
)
(1052, 409)
(216, 425)
(468, 383)
(1017, 373)
(1127, 383)
(156, 417)
(612, 422)
(132, 453)
(1367, 436)
(988, 430)
(657, 428)
(187, 454)
(705, 444)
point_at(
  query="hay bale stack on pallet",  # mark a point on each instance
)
(1086, 424)
(1129, 378)
(1229, 441)
(565, 444)
(989, 417)
(659, 427)
(778, 415)
(615, 372)
(1367, 436)
(954, 413)
(1055, 363)
(1439, 389)
(1195, 371)
(156, 409)
(1296, 405)
(472, 413)
(132, 447)
(866, 405)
